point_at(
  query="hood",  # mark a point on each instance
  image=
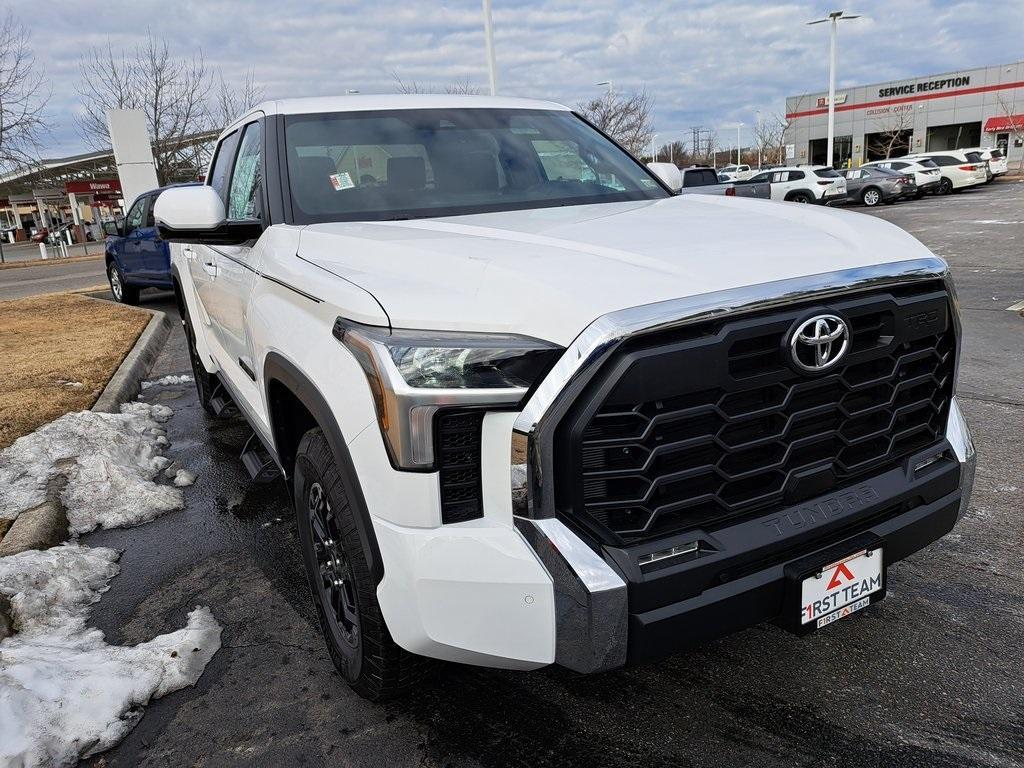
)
(550, 272)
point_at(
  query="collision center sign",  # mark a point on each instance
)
(924, 86)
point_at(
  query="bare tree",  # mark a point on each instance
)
(230, 101)
(173, 93)
(626, 117)
(1015, 125)
(769, 137)
(458, 87)
(674, 152)
(893, 133)
(22, 97)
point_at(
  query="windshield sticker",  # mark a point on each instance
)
(648, 183)
(341, 181)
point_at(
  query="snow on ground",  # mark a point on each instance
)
(109, 459)
(64, 692)
(166, 380)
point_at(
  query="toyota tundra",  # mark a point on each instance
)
(533, 408)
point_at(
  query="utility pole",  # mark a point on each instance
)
(835, 17)
(489, 34)
(757, 138)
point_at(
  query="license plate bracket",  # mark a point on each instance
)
(807, 567)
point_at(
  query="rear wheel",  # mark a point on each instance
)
(871, 197)
(343, 590)
(945, 186)
(801, 197)
(122, 292)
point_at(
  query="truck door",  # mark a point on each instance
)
(201, 259)
(237, 265)
(131, 252)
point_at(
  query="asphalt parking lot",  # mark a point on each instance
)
(932, 676)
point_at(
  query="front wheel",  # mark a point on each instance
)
(871, 197)
(343, 590)
(122, 292)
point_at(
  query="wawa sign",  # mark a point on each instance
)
(92, 186)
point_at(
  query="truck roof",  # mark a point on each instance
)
(369, 102)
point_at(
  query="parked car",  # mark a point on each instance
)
(136, 256)
(736, 172)
(958, 170)
(926, 173)
(872, 185)
(527, 419)
(702, 180)
(40, 235)
(804, 184)
(995, 158)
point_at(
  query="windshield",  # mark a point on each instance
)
(402, 164)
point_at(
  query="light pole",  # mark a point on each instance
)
(757, 138)
(738, 126)
(609, 84)
(835, 17)
(489, 34)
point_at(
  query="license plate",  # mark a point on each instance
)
(841, 588)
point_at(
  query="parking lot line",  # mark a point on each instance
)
(1018, 307)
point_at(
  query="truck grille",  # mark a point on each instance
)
(704, 425)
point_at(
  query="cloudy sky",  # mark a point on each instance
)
(708, 63)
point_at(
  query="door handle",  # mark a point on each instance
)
(210, 266)
(188, 253)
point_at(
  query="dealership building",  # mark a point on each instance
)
(970, 108)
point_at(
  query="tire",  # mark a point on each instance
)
(919, 194)
(205, 381)
(122, 292)
(871, 197)
(945, 186)
(344, 592)
(801, 197)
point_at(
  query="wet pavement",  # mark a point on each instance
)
(932, 676)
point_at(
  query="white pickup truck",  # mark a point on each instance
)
(533, 408)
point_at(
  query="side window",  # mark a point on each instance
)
(796, 175)
(135, 216)
(762, 177)
(942, 160)
(779, 176)
(221, 167)
(246, 181)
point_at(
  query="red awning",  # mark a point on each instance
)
(1005, 123)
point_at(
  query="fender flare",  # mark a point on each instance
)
(278, 368)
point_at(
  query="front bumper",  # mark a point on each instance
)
(610, 612)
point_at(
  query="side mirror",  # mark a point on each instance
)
(110, 229)
(196, 215)
(669, 174)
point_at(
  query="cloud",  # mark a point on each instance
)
(707, 63)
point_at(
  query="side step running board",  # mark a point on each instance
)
(221, 404)
(258, 463)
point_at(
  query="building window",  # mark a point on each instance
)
(842, 151)
(956, 136)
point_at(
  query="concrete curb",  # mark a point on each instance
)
(125, 384)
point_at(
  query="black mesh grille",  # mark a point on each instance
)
(458, 462)
(706, 426)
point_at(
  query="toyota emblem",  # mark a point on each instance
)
(818, 343)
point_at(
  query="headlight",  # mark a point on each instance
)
(414, 374)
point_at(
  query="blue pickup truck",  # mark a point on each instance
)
(136, 256)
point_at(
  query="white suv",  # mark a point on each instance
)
(532, 408)
(735, 172)
(805, 184)
(960, 168)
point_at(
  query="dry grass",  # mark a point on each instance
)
(44, 262)
(57, 352)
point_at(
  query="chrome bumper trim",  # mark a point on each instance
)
(959, 436)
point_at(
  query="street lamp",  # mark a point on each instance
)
(489, 35)
(738, 126)
(835, 17)
(608, 83)
(757, 138)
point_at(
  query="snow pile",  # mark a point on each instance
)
(65, 693)
(167, 380)
(109, 460)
